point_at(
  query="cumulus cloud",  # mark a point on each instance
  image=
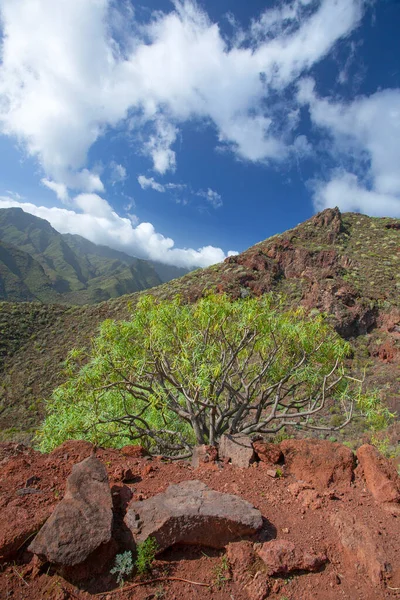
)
(365, 136)
(150, 183)
(95, 220)
(60, 189)
(59, 93)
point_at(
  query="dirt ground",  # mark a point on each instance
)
(306, 519)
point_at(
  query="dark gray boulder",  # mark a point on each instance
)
(192, 513)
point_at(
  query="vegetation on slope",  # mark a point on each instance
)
(179, 374)
(329, 263)
(41, 264)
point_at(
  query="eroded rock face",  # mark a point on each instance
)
(361, 545)
(380, 475)
(83, 519)
(282, 557)
(319, 462)
(238, 449)
(192, 513)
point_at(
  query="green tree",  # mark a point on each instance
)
(178, 374)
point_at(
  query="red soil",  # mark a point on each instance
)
(311, 519)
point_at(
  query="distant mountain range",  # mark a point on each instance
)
(39, 264)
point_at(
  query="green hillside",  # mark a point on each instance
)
(63, 268)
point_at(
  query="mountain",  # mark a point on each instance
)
(346, 265)
(22, 277)
(63, 268)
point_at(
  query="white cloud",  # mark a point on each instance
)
(97, 222)
(212, 197)
(118, 173)
(64, 79)
(149, 182)
(366, 140)
(344, 190)
(59, 189)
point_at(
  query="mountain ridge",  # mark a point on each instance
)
(72, 270)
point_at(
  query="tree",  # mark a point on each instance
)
(178, 374)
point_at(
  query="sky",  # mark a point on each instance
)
(184, 132)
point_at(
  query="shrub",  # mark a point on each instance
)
(179, 374)
(123, 566)
(146, 552)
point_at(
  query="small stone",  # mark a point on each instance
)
(282, 556)
(272, 473)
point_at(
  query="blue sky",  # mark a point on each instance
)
(182, 131)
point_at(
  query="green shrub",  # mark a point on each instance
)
(146, 553)
(179, 374)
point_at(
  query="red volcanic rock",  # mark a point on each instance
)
(134, 451)
(282, 557)
(242, 561)
(268, 453)
(83, 519)
(361, 545)
(380, 475)
(191, 513)
(204, 454)
(319, 462)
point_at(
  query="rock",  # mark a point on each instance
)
(380, 475)
(360, 545)
(18, 526)
(192, 513)
(272, 473)
(82, 521)
(238, 449)
(268, 453)
(134, 451)
(243, 563)
(319, 462)
(204, 454)
(282, 557)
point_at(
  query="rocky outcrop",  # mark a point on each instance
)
(283, 557)
(380, 475)
(238, 449)
(318, 462)
(83, 519)
(191, 513)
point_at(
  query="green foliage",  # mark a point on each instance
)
(123, 566)
(179, 374)
(146, 553)
(376, 414)
(221, 573)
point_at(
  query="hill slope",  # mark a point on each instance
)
(72, 269)
(346, 265)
